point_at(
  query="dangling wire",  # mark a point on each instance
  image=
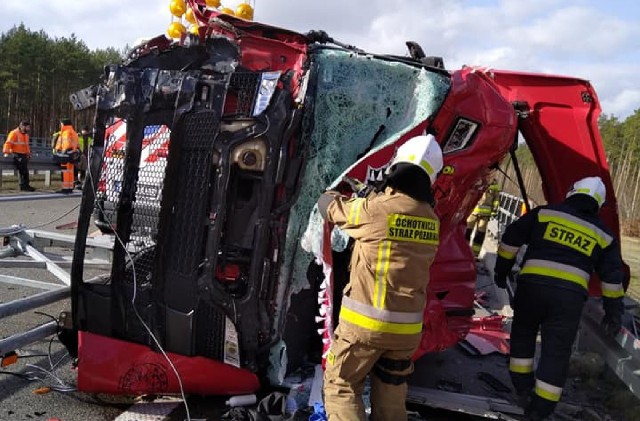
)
(134, 295)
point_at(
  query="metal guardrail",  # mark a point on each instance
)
(621, 353)
(40, 146)
(510, 210)
(40, 155)
(41, 159)
(32, 243)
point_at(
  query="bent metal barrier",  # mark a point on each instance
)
(18, 242)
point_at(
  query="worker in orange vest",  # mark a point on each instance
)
(17, 143)
(67, 141)
(66, 152)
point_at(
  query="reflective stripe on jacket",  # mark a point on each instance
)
(564, 248)
(17, 142)
(67, 140)
(396, 242)
(85, 142)
(489, 202)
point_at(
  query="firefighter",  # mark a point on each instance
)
(566, 243)
(17, 143)
(396, 235)
(479, 218)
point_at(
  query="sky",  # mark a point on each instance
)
(592, 39)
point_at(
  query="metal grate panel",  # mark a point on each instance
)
(243, 87)
(187, 227)
(151, 173)
(209, 332)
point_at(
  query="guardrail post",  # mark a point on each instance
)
(37, 300)
(30, 336)
(508, 212)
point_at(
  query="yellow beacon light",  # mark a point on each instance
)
(175, 30)
(227, 11)
(177, 8)
(189, 16)
(244, 11)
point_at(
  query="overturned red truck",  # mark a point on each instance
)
(250, 124)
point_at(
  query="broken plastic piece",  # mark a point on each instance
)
(449, 386)
(8, 359)
(496, 384)
(278, 361)
(241, 400)
(318, 413)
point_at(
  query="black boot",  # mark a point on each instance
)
(467, 234)
(524, 399)
(535, 416)
(540, 409)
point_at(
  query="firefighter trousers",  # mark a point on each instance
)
(479, 223)
(348, 364)
(556, 313)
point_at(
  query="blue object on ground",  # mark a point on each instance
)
(318, 413)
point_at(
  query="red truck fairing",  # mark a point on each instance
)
(559, 122)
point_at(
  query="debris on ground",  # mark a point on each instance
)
(492, 381)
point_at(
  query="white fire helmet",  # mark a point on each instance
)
(422, 151)
(591, 186)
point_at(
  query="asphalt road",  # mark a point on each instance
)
(17, 397)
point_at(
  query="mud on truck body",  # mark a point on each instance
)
(245, 125)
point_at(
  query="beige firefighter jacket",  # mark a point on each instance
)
(396, 242)
(489, 202)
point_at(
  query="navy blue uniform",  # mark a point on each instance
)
(566, 242)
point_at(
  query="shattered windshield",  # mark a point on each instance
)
(354, 97)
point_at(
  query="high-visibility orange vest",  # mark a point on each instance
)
(67, 140)
(17, 142)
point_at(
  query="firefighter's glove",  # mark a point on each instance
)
(612, 320)
(500, 280)
(357, 186)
